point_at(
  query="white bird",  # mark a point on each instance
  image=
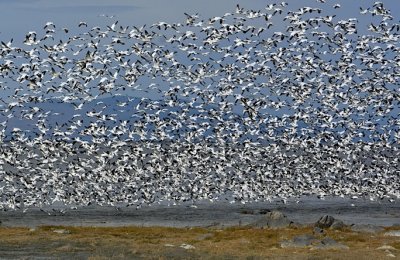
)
(255, 105)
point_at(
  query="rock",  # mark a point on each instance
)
(393, 233)
(273, 219)
(390, 255)
(325, 221)
(337, 224)
(386, 247)
(318, 231)
(169, 245)
(61, 231)
(299, 241)
(254, 212)
(329, 243)
(247, 212)
(368, 228)
(187, 246)
(275, 215)
(213, 225)
(263, 211)
(329, 222)
(295, 225)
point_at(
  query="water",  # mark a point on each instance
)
(204, 214)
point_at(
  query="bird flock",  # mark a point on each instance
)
(253, 105)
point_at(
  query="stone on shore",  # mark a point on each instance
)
(386, 247)
(187, 246)
(246, 211)
(325, 221)
(61, 231)
(319, 231)
(274, 219)
(393, 233)
(366, 228)
(299, 241)
(328, 221)
(329, 243)
(312, 241)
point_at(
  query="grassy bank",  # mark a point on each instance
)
(170, 243)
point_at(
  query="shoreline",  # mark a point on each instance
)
(204, 214)
(312, 228)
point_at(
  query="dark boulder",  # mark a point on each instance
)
(327, 221)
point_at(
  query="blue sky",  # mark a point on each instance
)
(19, 17)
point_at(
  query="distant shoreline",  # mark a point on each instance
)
(204, 214)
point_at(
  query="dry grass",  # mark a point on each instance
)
(164, 243)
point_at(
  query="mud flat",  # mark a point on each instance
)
(205, 214)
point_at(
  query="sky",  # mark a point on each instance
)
(19, 17)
